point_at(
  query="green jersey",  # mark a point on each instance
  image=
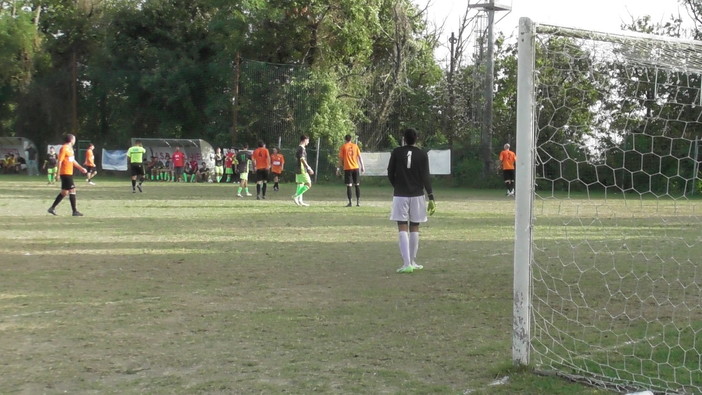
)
(136, 154)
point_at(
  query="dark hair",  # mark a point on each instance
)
(68, 138)
(410, 136)
(304, 137)
(261, 143)
(347, 137)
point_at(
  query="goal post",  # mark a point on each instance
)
(523, 193)
(608, 224)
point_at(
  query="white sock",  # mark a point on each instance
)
(414, 245)
(405, 249)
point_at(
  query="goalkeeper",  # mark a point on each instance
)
(408, 172)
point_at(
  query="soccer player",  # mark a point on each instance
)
(277, 165)
(243, 159)
(219, 165)
(350, 160)
(51, 165)
(66, 162)
(262, 164)
(303, 173)
(408, 172)
(135, 159)
(89, 164)
(507, 160)
(178, 159)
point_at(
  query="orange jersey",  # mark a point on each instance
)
(89, 158)
(65, 160)
(277, 163)
(508, 158)
(262, 158)
(349, 155)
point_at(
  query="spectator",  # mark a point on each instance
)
(203, 173)
(21, 164)
(190, 171)
(167, 169)
(153, 168)
(178, 159)
(32, 164)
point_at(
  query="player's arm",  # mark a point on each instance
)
(391, 168)
(360, 162)
(304, 162)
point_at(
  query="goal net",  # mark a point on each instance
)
(608, 247)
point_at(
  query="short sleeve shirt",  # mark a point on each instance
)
(301, 154)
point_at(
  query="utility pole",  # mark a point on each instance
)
(451, 113)
(486, 154)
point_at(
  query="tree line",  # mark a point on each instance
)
(110, 70)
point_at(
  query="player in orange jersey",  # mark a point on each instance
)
(262, 163)
(277, 165)
(507, 161)
(90, 164)
(351, 162)
(66, 163)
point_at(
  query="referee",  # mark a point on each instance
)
(135, 159)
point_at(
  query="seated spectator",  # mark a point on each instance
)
(10, 163)
(153, 168)
(167, 169)
(190, 171)
(203, 173)
(21, 165)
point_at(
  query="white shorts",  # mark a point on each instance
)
(412, 209)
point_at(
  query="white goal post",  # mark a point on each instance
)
(608, 225)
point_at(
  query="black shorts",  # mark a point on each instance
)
(351, 177)
(89, 169)
(137, 169)
(508, 175)
(67, 183)
(261, 175)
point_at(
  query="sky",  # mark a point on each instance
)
(600, 15)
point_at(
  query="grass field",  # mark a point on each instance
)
(187, 289)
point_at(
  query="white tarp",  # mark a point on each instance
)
(114, 160)
(376, 163)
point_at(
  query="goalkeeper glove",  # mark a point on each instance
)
(431, 207)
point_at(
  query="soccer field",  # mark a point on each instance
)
(187, 289)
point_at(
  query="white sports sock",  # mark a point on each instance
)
(414, 245)
(405, 249)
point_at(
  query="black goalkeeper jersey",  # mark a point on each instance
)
(408, 171)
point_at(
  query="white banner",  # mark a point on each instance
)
(440, 162)
(376, 163)
(114, 160)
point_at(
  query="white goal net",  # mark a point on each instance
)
(608, 249)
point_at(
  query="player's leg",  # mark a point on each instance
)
(357, 186)
(60, 196)
(414, 245)
(72, 199)
(399, 212)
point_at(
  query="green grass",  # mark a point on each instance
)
(187, 289)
